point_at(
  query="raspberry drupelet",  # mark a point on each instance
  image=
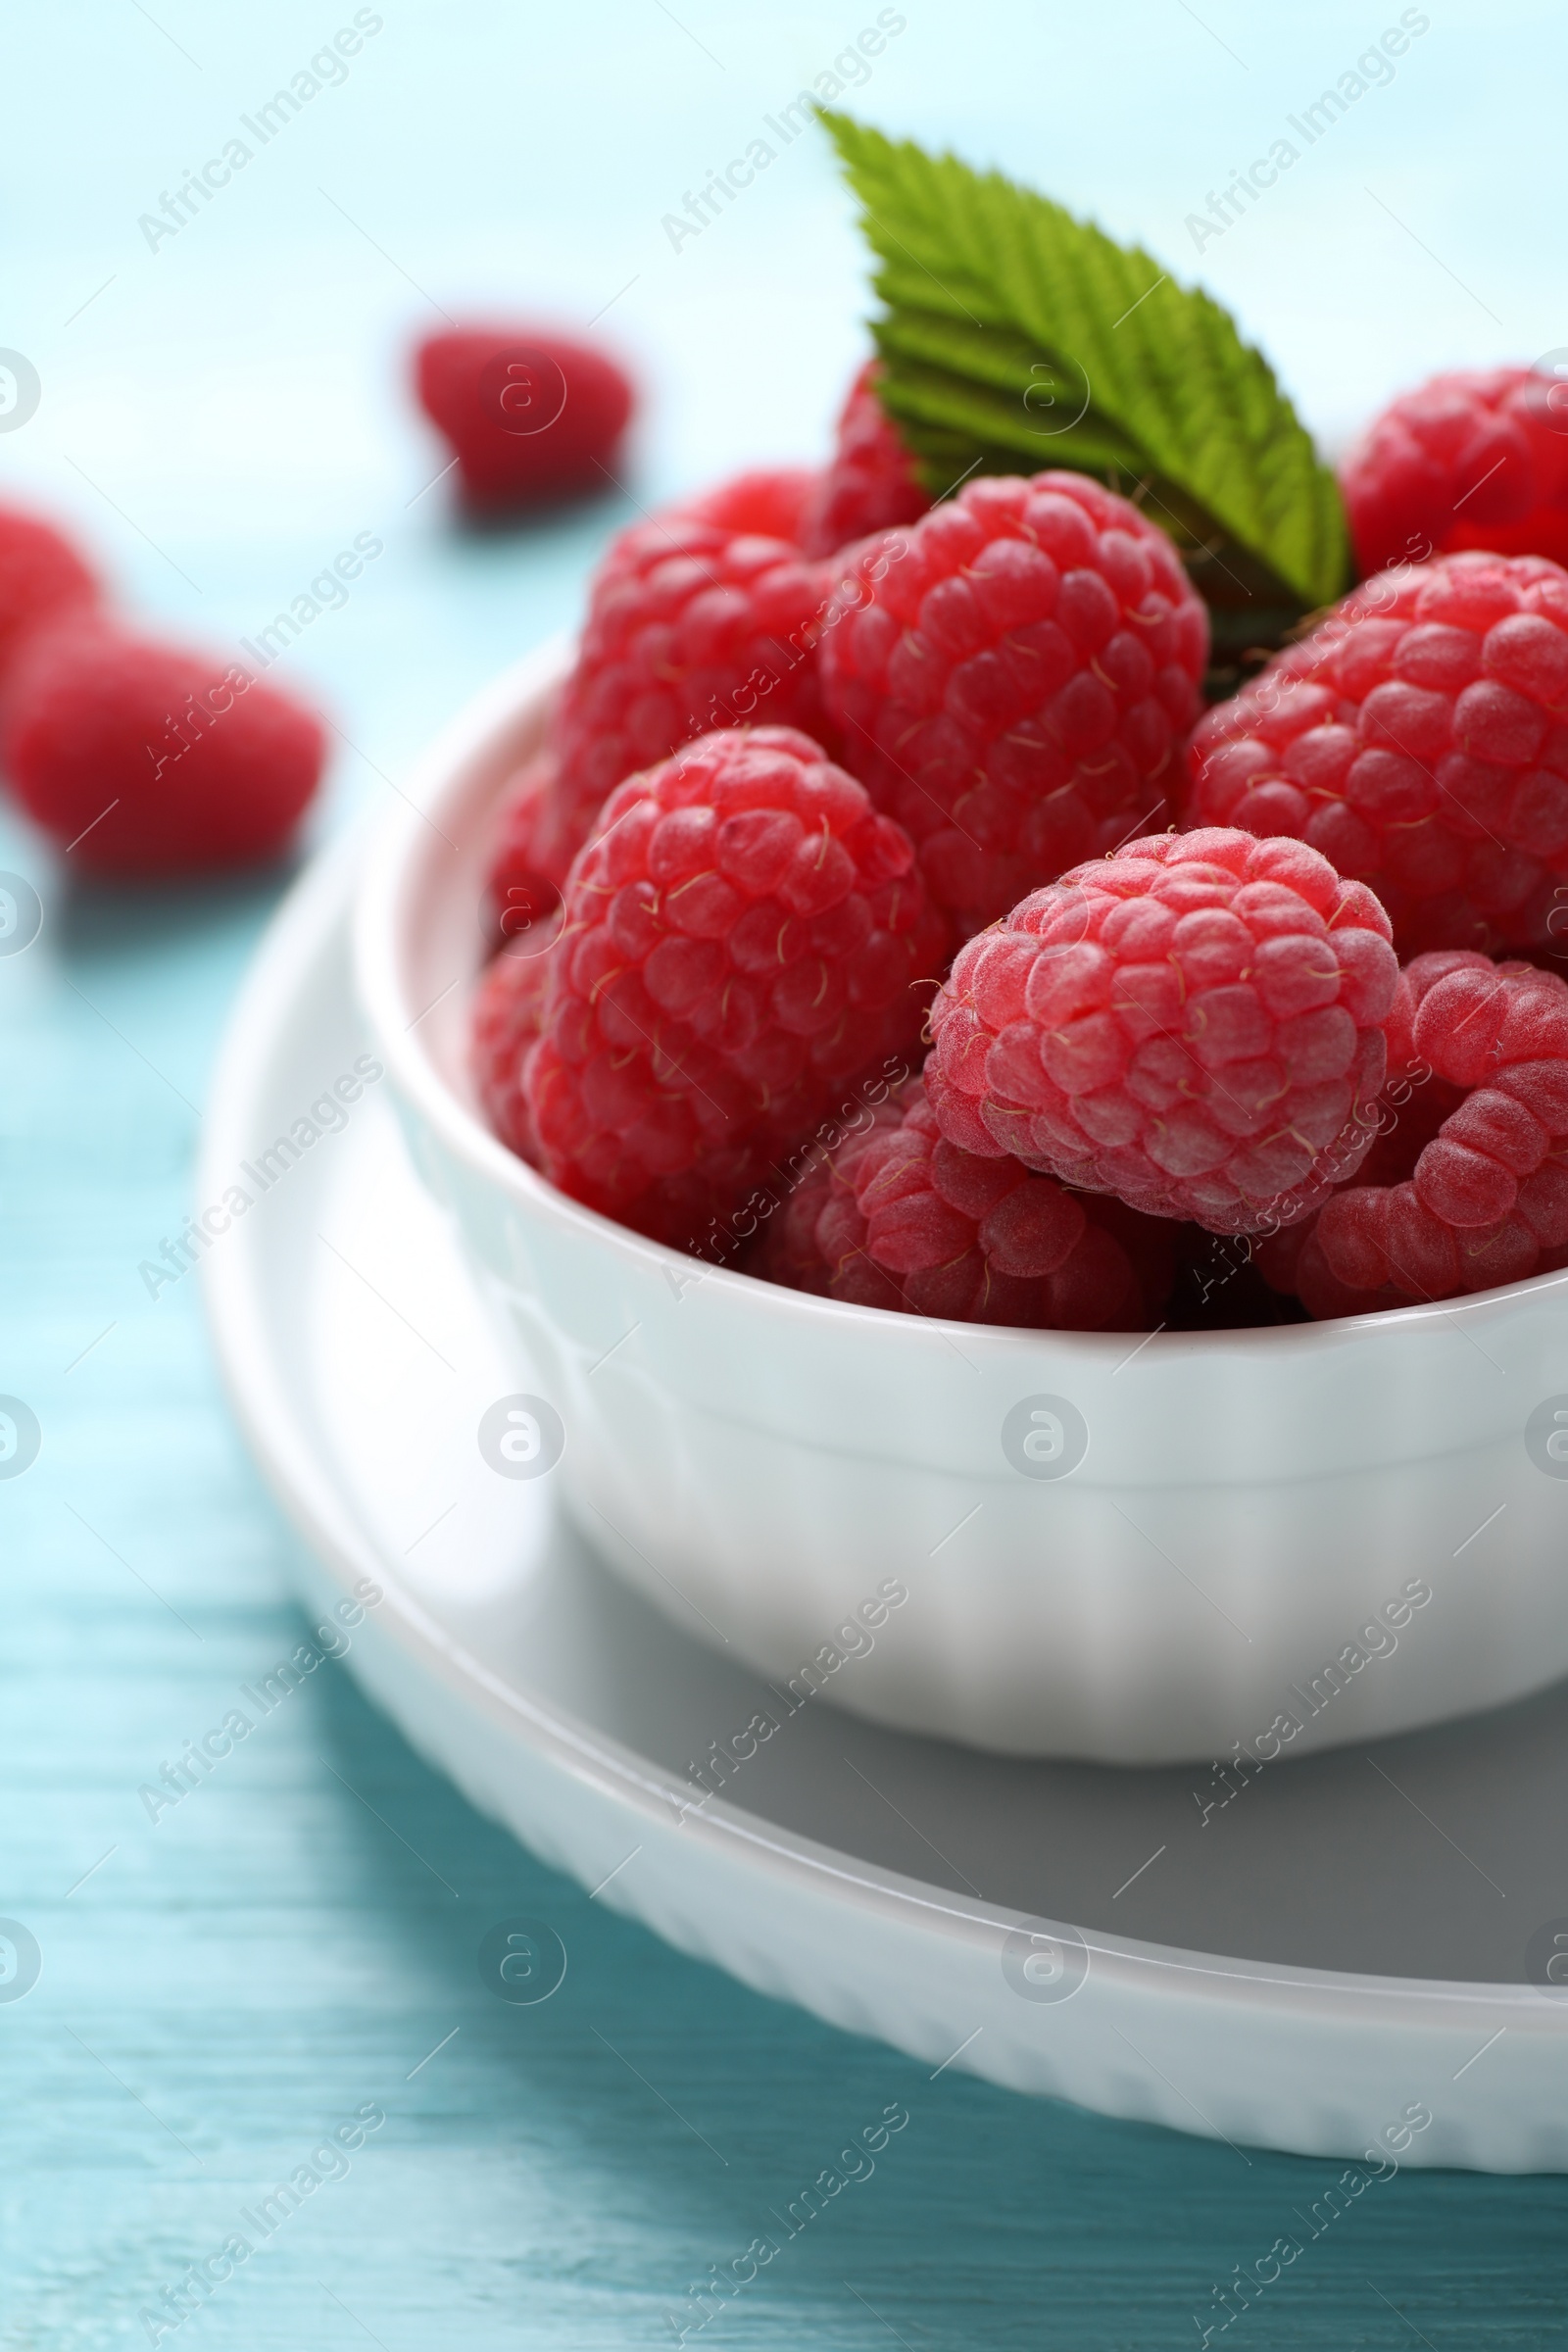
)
(872, 483)
(1013, 677)
(1419, 739)
(1474, 459)
(898, 1218)
(1194, 1024)
(1487, 1200)
(701, 618)
(743, 936)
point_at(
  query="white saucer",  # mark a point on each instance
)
(1339, 1940)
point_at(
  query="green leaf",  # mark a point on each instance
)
(1016, 338)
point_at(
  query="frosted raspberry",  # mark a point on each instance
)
(1194, 1024)
(1419, 739)
(1488, 1200)
(898, 1218)
(1013, 677)
(1470, 459)
(700, 617)
(509, 1011)
(872, 484)
(744, 934)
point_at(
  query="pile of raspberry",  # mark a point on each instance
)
(880, 917)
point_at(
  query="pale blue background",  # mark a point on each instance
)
(223, 417)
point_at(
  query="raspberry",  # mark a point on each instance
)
(1194, 1024)
(698, 619)
(1471, 460)
(1293, 1263)
(1012, 676)
(530, 415)
(147, 759)
(898, 1218)
(509, 1011)
(518, 895)
(744, 934)
(769, 501)
(872, 484)
(1409, 1113)
(1488, 1199)
(41, 579)
(1419, 739)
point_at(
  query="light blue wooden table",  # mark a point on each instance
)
(222, 1989)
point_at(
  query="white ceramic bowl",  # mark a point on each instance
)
(1235, 1545)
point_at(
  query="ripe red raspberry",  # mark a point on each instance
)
(872, 484)
(509, 1012)
(518, 894)
(770, 502)
(1292, 1263)
(743, 934)
(530, 415)
(1419, 739)
(1408, 1113)
(1011, 677)
(544, 820)
(698, 619)
(42, 577)
(1488, 1201)
(1193, 1024)
(898, 1218)
(1470, 459)
(146, 759)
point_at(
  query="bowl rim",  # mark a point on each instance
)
(442, 771)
